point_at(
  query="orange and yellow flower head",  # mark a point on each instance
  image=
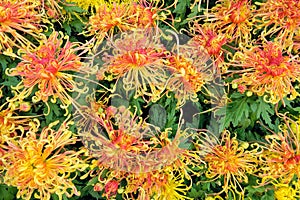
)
(121, 16)
(52, 68)
(268, 71)
(126, 147)
(211, 41)
(190, 69)
(137, 61)
(39, 165)
(281, 159)
(129, 140)
(18, 18)
(279, 18)
(229, 159)
(232, 18)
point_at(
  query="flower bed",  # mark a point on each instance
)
(149, 99)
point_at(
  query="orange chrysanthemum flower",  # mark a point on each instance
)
(233, 18)
(122, 140)
(267, 71)
(228, 159)
(280, 18)
(51, 68)
(211, 41)
(123, 16)
(119, 139)
(16, 19)
(137, 60)
(39, 165)
(51, 8)
(190, 71)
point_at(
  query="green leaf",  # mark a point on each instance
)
(194, 12)
(3, 62)
(158, 116)
(7, 192)
(73, 8)
(78, 25)
(265, 111)
(67, 27)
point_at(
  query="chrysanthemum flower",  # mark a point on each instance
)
(106, 19)
(162, 184)
(228, 159)
(142, 15)
(280, 18)
(95, 4)
(18, 18)
(190, 71)
(267, 71)
(120, 140)
(51, 68)
(211, 41)
(122, 16)
(287, 192)
(39, 164)
(173, 187)
(137, 61)
(232, 18)
(281, 159)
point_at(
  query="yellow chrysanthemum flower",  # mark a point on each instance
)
(286, 192)
(40, 165)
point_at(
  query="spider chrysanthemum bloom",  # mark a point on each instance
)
(122, 139)
(281, 159)
(40, 165)
(166, 183)
(233, 18)
(286, 191)
(280, 18)
(119, 139)
(52, 67)
(128, 148)
(121, 16)
(107, 18)
(190, 71)
(143, 15)
(269, 71)
(228, 159)
(51, 8)
(95, 4)
(16, 19)
(211, 41)
(172, 187)
(137, 61)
